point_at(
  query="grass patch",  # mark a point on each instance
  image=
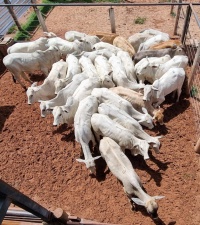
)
(194, 91)
(173, 14)
(140, 20)
(32, 23)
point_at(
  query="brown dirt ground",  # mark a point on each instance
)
(40, 160)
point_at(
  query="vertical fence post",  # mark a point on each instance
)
(172, 7)
(186, 24)
(194, 66)
(39, 16)
(11, 11)
(112, 19)
(197, 146)
(177, 18)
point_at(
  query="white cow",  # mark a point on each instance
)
(106, 127)
(106, 95)
(46, 90)
(178, 61)
(67, 112)
(155, 70)
(62, 96)
(19, 63)
(141, 68)
(104, 70)
(100, 71)
(128, 65)
(104, 45)
(29, 47)
(67, 47)
(152, 41)
(121, 167)
(92, 55)
(128, 122)
(74, 66)
(171, 81)
(75, 35)
(136, 39)
(83, 133)
(119, 74)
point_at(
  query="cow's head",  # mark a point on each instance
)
(147, 92)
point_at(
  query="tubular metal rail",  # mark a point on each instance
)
(34, 212)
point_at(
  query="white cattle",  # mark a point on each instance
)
(67, 47)
(128, 65)
(104, 45)
(62, 96)
(100, 71)
(46, 90)
(19, 63)
(83, 133)
(106, 95)
(152, 41)
(154, 70)
(158, 53)
(136, 99)
(29, 47)
(153, 32)
(119, 74)
(92, 55)
(75, 35)
(88, 67)
(128, 122)
(136, 39)
(121, 167)
(171, 81)
(74, 66)
(104, 70)
(178, 61)
(61, 116)
(67, 112)
(104, 126)
(142, 65)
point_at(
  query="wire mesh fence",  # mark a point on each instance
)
(189, 30)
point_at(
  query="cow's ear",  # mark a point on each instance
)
(154, 88)
(138, 201)
(34, 84)
(174, 46)
(144, 110)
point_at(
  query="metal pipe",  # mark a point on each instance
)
(103, 4)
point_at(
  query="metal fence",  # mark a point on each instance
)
(6, 20)
(188, 28)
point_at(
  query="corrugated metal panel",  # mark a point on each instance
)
(6, 20)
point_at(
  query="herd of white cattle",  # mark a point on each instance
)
(108, 91)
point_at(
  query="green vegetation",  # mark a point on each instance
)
(140, 20)
(173, 14)
(194, 91)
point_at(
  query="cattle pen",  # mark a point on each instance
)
(185, 24)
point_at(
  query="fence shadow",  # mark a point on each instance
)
(5, 112)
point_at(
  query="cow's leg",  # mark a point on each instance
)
(26, 77)
(178, 94)
(45, 71)
(17, 78)
(161, 100)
